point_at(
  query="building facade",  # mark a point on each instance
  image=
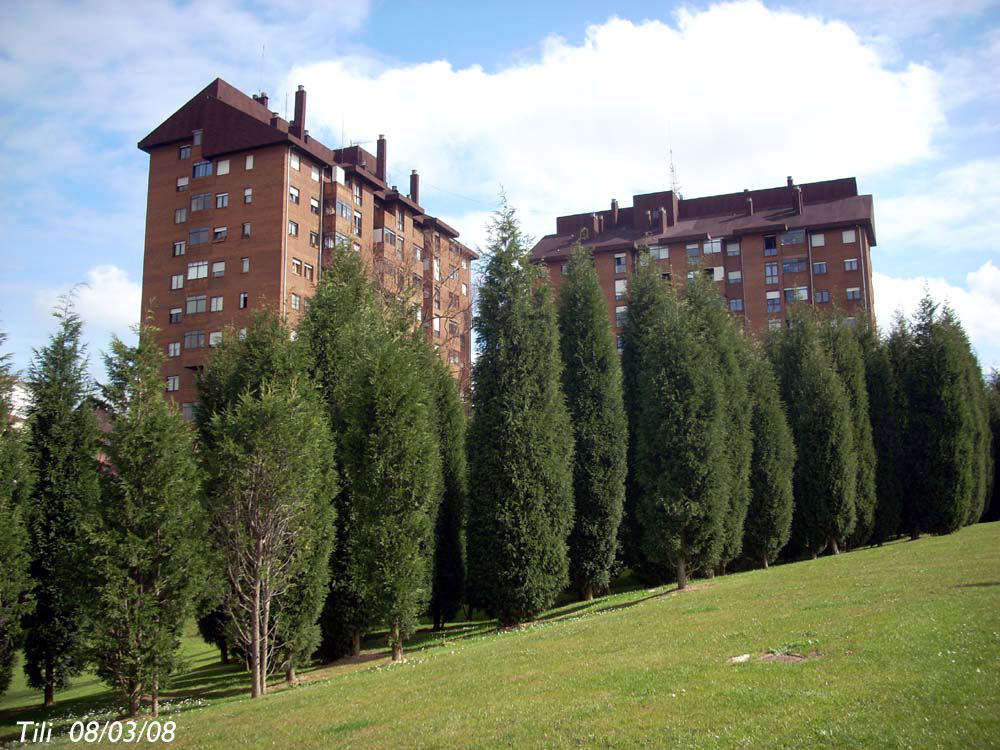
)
(244, 207)
(768, 250)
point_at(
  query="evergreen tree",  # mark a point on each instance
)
(940, 426)
(214, 629)
(769, 520)
(680, 442)
(592, 384)
(521, 501)
(15, 488)
(148, 533)
(825, 478)
(448, 587)
(62, 446)
(993, 402)
(845, 351)
(733, 360)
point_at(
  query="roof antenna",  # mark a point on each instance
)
(260, 89)
(286, 105)
(675, 184)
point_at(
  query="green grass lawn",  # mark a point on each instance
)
(903, 647)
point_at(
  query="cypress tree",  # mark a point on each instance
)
(769, 520)
(15, 488)
(148, 533)
(521, 502)
(62, 446)
(592, 384)
(825, 478)
(993, 402)
(845, 351)
(448, 588)
(680, 450)
(940, 419)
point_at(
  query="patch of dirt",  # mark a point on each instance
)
(787, 657)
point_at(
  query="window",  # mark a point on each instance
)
(357, 193)
(851, 264)
(202, 169)
(198, 270)
(244, 265)
(184, 152)
(314, 205)
(621, 286)
(399, 247)
(822, 295)
(244, 300)
(293, 228)
(248, 195)
(245, 234)
(736, 304)
(770, 273)
(774, 302)
(249, 162)
(735, 277)
(182, 184)
(198, 236)
(692, 250)
(215, 338)
(659, 252)
(179, 247)
(692, 275)
(314, 239)
(314, 174)
(175, 314)
(222, 167)
(174, 381)
(215, 304)
(196, 137)
(194, 340)
(180, 215)
(177, 281)
(437, 298)
(418, 252)
(357, 224)
(400, 220)
(854, 292)
(222, 200)
(774, 324)
(219, 268)
(296, 301)
(187, 411)
(621, 315)
(453, 358)
(465, 289)
(293, 194)
(220, 234)
(733, 248)
(848, 237)
(665, 276)
(388, 236)
(201, 201)
(195, 304)
(465, 263)
(308, 271)
(296, 266)
(817, 239)
(793, 237)
(796, 294)
(819, 267)
(174, 349)
(794, 265)
(770, 246)
(620, 343)
(293, 162)
(343, 210)
(713, 246)
(437, 269)
(620, 263)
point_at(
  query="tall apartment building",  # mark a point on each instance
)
(244, 207)
(768, 250)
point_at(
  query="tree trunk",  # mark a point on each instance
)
(764, 560)
(255, 646)
(710, 572)
(397, 642)
(833, 545)
(134, 703)
(155, 704)
(356, 643)
(290, 675)
(224, 650)
(50, 684)
(813, 554)
(682, 576)
(587, 594)
(914, 535)
(438, 620)
(265, 667)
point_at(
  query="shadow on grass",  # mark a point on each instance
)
(980, 585)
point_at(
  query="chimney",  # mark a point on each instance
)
(380, 158)
(649, 218)
(614, 212)
(663, 220)
(600, 224)
(594, 225)
(791, 182)
(415, 187)
(262, 98)
(300, 111)
(749, 201)
(797, 199)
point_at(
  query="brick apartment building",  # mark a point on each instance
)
(243, 207)
(767, 249)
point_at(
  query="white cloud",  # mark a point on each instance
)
(977, 304)
(742, 93)
(108, 300)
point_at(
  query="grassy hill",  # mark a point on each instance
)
(900, 647)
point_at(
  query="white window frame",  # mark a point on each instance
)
(849, 236)
(197, 269)
(248, 164)
(294, 161)
(177, 281)
(215, 304)
(222, 167)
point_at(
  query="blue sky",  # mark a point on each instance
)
(563, 105)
